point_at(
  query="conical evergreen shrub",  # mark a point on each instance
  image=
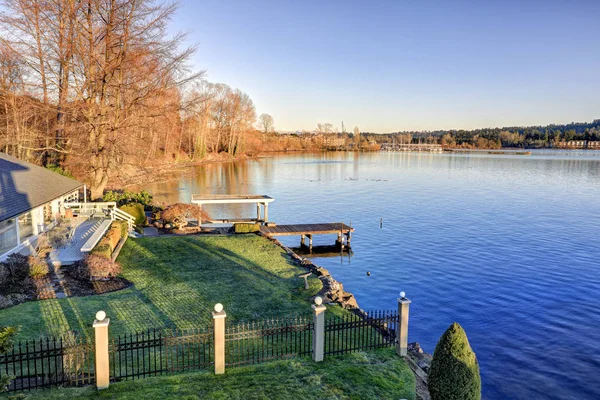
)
(454, 372)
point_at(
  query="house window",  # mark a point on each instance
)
(48, 217)
(8, 235)
(25, 226)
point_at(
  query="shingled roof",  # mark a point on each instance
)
(24, 186)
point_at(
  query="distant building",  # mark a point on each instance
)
(579, 144)
(593, 144)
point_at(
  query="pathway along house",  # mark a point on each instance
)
(30, 199)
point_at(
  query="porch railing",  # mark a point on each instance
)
(106, 209)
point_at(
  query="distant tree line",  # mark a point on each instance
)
(491, 138)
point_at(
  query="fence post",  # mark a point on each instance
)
(318, 329)
(403, 306)
(101, 363)
(219, 328)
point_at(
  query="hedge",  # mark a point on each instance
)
(246, 228)
(137, 211)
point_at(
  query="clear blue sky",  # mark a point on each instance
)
(401, 65)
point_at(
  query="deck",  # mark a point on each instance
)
(72, 253)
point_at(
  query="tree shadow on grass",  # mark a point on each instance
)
(184, 277)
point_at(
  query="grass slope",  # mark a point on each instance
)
(177, 281)
(375, 375)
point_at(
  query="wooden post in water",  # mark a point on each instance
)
(258, 211)
(310, 243)
(349, 236)
(302, 244)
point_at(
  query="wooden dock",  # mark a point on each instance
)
(308, 230)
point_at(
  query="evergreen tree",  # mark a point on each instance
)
(454, 373)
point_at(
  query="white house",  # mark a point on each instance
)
(31, 197)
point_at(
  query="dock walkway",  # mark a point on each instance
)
(308, 230)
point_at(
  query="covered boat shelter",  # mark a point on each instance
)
(258, 199)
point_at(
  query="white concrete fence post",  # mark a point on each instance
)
(318, 329)
(402, 331)
(101, 362)
(219, 317)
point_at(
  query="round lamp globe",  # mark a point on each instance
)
(100, 315)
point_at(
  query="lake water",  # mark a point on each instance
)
(508, 246)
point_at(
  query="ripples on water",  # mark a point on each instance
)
(505, 245)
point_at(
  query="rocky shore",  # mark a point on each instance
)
(333, 292)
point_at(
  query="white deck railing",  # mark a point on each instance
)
(107, 209)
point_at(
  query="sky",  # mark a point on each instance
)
(399, 65)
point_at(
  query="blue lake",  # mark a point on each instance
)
(508, 246)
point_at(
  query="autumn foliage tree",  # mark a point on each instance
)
(179, 214)
(106, 68)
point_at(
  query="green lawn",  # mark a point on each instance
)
(177, 282)
(374, 375)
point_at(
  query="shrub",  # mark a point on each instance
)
(43, 243)
(57, 236)
(7, 334)
(122, 226)
(73, 359)
(59, 170)
(136, 210)
(102, 249)
(5, 302)
(123, 197)
(4, 273)
(454, 373)
(246, 228)
(178, 214)
(98, 267)
(38, 268)
(17, 266)
(114, 236)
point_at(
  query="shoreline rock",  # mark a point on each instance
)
(333, 292)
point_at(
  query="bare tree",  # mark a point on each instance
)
(266, 123)
(108, 70)
(356, 136)
(324, 128)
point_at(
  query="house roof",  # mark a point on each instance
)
(24, 186)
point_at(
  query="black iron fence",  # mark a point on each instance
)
(48, 362)
(69, 361)
(158, 352)
(350, 333)
(257, 342)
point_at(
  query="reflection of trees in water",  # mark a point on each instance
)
(259, 176)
